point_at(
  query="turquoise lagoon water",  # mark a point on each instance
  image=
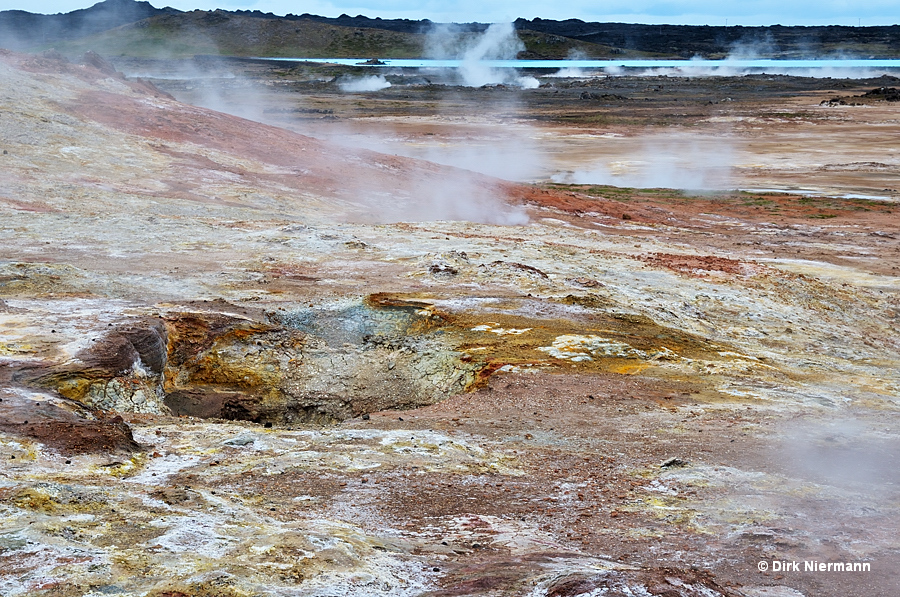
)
(764, 65)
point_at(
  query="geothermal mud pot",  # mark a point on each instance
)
(236, 360)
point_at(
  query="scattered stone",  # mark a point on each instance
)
(584, 282)
(442, 269)
(674, 462)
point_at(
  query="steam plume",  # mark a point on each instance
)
(664, 161)
(497, 42)
(370, 83)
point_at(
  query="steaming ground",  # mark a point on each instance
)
(498, 42)
(750, 132)
(662, 389)
(671, 128)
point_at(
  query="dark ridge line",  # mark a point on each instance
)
(20, 29)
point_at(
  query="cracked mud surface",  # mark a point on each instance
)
(309, 399)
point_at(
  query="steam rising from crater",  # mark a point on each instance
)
(497, 42)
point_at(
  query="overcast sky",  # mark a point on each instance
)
(691, 12)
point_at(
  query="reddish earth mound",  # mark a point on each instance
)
(80, 437)
(64, 430)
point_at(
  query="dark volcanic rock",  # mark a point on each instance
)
(886, 94)
(890, 94)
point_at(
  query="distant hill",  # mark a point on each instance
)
(20, 30)
(131, 28)
(112, 30)
(775, 41)
(231, 34)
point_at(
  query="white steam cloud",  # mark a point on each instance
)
(572, 72)
(454, 196)
(569, 72)
(664, 161)
(370, 83)
(844, 452)
(502, 150)
(207, 83)
(497, 42)
(426, 195)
